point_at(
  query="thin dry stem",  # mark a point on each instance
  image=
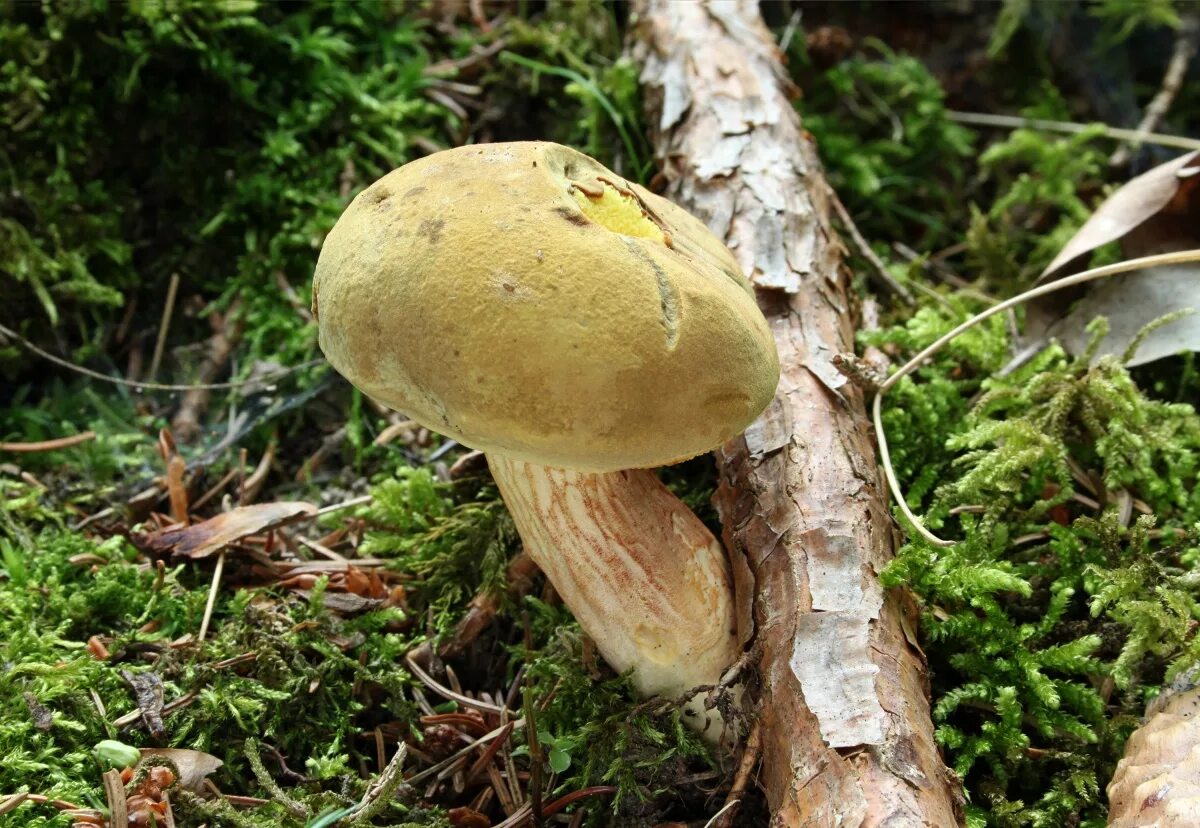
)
(1013, 122)
(1187, 38)
(885, 459)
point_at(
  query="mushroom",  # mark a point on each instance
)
(528, 302)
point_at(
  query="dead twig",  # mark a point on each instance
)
(1187, 39)
(216, 489)
(152, 386)
(456, 67)
(164, 325)
(1116, 133)
(741, 780)
(253, 484)
(330, 443)
(227, 331)
(867, 252)
(50, 445)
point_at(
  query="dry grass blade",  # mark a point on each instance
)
(446, 692)
(114, 790)
(50, 445)
(914, 363)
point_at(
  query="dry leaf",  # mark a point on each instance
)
(213, 535)
(1140, 200)
(1157, 212)
(1130, 303)
(194, 765)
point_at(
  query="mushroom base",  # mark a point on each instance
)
(644, 577)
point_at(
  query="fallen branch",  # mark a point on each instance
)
(847, 735)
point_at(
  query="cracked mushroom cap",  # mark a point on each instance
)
(522, 298)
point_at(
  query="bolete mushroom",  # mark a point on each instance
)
(526, 301)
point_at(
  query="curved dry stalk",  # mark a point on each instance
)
(885, 459)
(644, 577)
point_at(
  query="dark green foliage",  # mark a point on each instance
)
(121, 173)
(570, 61)
(454, 549)
(1044, 191)
(893, 156)
(643, 751)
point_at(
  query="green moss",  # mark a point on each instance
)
(644, 750)
(1051, 620)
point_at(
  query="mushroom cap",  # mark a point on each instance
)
(523, 299)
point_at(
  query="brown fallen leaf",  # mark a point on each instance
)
(208, 537)
(1157, 212)
(465, 817)
(1138, 201)
(194, 765)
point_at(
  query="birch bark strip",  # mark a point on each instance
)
(848, 739)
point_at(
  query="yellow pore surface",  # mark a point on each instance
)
(618, 212)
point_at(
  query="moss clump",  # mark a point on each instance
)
(1057, 613)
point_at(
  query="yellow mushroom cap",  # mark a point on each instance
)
(522, 298)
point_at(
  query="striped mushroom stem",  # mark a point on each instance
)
(645, 578)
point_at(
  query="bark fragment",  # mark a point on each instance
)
(1157, 782)
(843, 702)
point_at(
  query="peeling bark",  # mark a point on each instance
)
(1157, 782)
(847, 736)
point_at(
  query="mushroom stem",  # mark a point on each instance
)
(644, 577)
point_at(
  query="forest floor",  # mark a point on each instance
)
(170, 173)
